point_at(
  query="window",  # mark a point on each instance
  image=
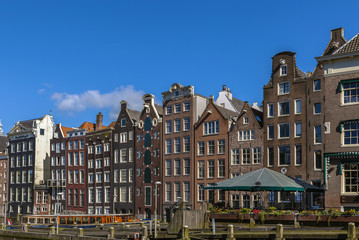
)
(246, 135)
(246, 156)
(148, 196)
(107, 176)
(130, 154)
(130, 135)
(168, 167)
(177, 125)
(115, 156)
(186, 144)
(186, 124)
(71, 144)
(123, 122)
(270, 109)
(123, 194)
(201, 169)
(350, 133)
(298, 129)
(168, 110)
(270, 132)
(245, 120)
(210, 165)
(90, 149)
(257, 155)
(177, 170)
(177, 107)
(221, 146)
(42, 131)
(186, 106)
(168, 146)
(317, 108)
(283, 70)
(90, 164)
(235, 157)
(283, 88)
(98, 163)
(91, 178)
(82, 144)
(148, 124)
(177, 146)
(283, 108)
(200, 192)
(200, 149)
(283, 130)
(98, 177)
(148, 139)
(210, 147)
(298, 154)
(221, 168)
(98, 149)
(123, 175)
(351, 172)
(186, 166)
(139, 137)
(317, 85)
(177, 187)
(76, 144)
(298, 106)
(186, 191)
(318, 160)
(284, 155)
(148, 175)
(123, 155)
(148, 157)
(168, 192)
(350, 92)
(211, 127)
(318, 134)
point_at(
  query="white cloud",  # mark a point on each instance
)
(95, 99)
(41, 90)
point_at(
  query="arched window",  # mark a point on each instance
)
(148, 124)
(147, 157)
(148, 140)
(148, 175)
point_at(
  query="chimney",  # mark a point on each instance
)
(211, 98)
(336, 34)
(123, 104)
(223, 87)
(99, 119)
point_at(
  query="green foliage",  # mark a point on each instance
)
(261, 217)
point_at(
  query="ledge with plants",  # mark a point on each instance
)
(273, 215)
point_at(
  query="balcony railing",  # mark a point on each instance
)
(56, 183)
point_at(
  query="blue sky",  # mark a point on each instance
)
(78, 58)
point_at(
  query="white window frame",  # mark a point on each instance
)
(279, 109)
(283, 84)
(269, 106)
(279, 126)
(283, 70)
(296, 124)
(296, 108)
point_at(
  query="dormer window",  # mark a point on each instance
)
(176, 93)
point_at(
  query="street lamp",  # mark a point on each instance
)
(57, 210)
(156, 193)
(113, 208)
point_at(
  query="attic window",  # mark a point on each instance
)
(42, 131)
(246, 120)
(176, 93)
(283, 70)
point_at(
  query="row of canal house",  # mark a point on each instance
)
(307, 128)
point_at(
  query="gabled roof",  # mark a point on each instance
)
(351, 46)
(226, 112)
(258, 115)
(88, 126)
(238, 104)
(159, 109)
(134, 115)
(65, 130)
(29, 123)
(112, 124)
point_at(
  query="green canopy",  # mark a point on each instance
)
(262, 179)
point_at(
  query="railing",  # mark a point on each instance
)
(56, 183)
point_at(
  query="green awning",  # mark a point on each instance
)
(346, 122)
(263, 179)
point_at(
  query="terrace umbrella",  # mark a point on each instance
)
(262, 179)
